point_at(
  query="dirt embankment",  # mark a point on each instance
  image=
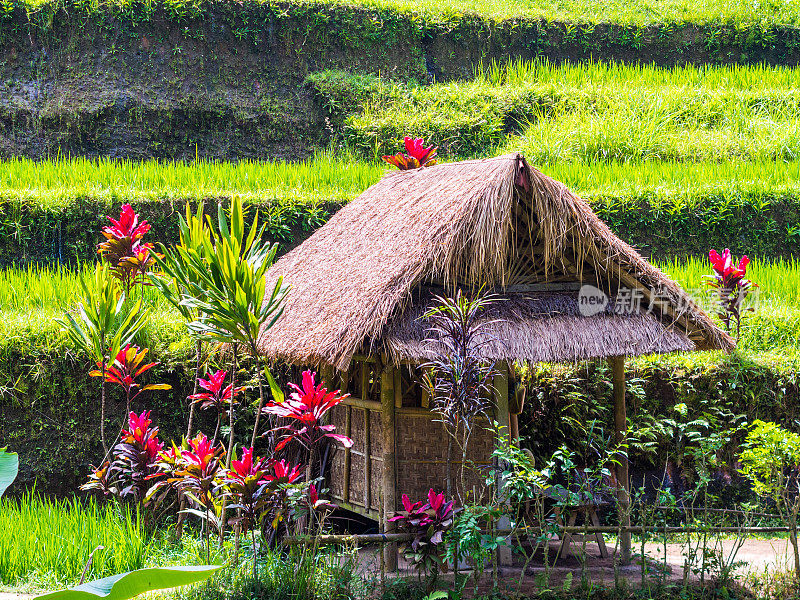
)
(225, 79)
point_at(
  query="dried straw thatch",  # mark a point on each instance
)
(541, 327)
(458, 224)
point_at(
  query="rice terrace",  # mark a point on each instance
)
(380, 300)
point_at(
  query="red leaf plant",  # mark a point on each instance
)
(128, 256)
(306, 409)
(418, 155)
(127, 226)
(134, 460)
(216, 396)
(283, 470)
(731, 285)
(257, 488)
(428, 523)
(127, 366)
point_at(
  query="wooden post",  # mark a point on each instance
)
(348, 429)
(513, 429)
(502, 416)
(398, 388)
(621, 428)
(367, 460)
(389, 467)
(327, 374)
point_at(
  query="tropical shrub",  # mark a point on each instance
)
(428, 523)
(127, 366)
(306, 409)
(457, 377)
(104, 324)
(216, 396)
(129, 258)
(731, 286)
(771, 459)
(418, 155)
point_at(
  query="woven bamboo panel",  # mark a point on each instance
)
(422, 457)
(336, 482)
(376, 437)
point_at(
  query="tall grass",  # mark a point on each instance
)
(589, 112)
(38, 286)
(47, 542)
(778, 280)
(323, 177)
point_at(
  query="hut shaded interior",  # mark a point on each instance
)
(566, 289)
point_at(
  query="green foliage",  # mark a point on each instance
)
(9, 467)
(56, 183)
(104, 324)
(595, 112)
(49, 541)
(128, 585)
(771, 458)
(225, 281)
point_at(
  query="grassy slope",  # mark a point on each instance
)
(592, 112)
(638, 12)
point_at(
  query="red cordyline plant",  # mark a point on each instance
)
(134, 461)
(129, 258)
(216, 396)
(197, 479)
(427, 522)
(127, 366)
(258, 489)
(306, 409)
(246, 485)
(731, 285)
(418, 155)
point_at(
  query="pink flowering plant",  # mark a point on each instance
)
(731, 286)
(416, 156)
(216, 396)
(427, 522)
(305, 409)
(128, 257)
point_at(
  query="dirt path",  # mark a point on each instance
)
(757, 554)
(15, 596)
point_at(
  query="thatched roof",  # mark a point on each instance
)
(482, 222)
(542, 327)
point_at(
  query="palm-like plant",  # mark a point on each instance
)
(104, 324)
(226, 286)
(178, 279)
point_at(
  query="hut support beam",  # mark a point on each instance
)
(621, 429)
(389, 466)
(503, 419)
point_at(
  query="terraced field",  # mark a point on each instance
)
(677, 120)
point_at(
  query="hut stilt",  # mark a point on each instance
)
(388, 380)
(621, 435)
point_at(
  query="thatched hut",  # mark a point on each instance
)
(362, 281)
